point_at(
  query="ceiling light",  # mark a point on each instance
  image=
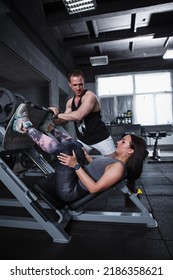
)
(168, 54)
(99, 60)
(78, 6)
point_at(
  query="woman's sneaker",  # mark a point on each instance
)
(21, 121)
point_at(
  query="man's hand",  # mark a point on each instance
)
(55, 110)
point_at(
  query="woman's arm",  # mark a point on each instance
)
(113, 173)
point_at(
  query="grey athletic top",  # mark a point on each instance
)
(96, 168)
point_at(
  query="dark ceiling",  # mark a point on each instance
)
(133, 34)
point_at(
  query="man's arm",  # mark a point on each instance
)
(88, 103)
(59, 121)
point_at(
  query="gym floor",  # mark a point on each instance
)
(101, 241)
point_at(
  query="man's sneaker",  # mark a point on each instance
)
(21, 121)
(47, 122)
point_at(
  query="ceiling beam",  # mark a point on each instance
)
(92, 28)
(127, 34)
(56, 13)
(125, 55)
(133, 22)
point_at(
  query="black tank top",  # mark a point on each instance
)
(91, 129)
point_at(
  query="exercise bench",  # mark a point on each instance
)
(45, 213)
(156, 132)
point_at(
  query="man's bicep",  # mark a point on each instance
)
(84, 110)
(87, 105)
(68, 108)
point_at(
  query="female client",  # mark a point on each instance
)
(73, 177)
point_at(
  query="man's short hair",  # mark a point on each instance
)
(75, 73)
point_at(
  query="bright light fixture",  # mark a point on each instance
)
(168, 54)
(99, 60)
(78, 6)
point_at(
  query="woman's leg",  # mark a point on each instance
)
(66, 185)
(60, 136)
(22, 124)
(65, 180)
(45, 142)
(49, 144)
(53, 146)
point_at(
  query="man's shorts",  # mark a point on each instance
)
(105, 147)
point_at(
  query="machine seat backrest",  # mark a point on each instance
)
(89, 198)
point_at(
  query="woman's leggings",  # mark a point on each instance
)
(66, 180)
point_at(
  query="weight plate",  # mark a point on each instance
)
(7, 105)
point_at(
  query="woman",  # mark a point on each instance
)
(72, 177)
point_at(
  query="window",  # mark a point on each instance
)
(151, 94)
(152, 82)
(115, 85)
(154, 105)
(144, 109)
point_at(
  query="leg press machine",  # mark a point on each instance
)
(38, 203)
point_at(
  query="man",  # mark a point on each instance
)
(84, 110)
